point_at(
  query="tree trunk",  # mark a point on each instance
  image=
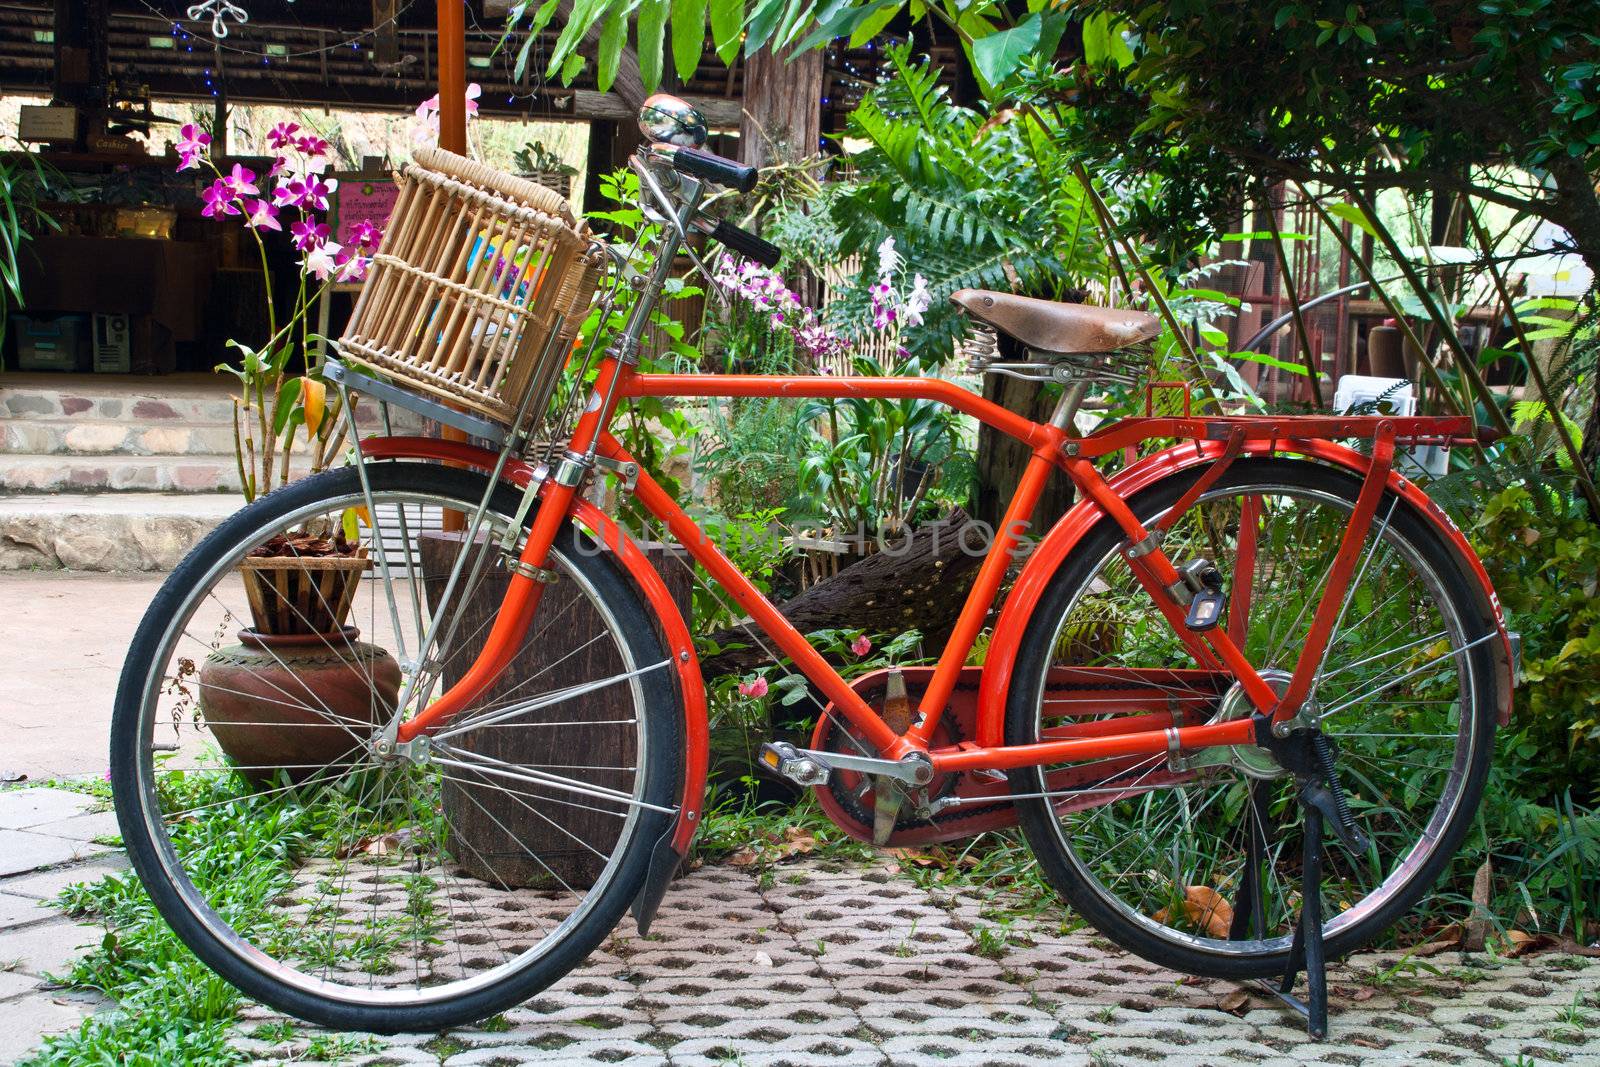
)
(782, 107)
(1001, 459)
(919, 583)
(495, 835)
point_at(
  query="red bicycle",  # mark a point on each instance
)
(1249, 633)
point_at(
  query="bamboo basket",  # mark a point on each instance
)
(478, 288)
(301, 594)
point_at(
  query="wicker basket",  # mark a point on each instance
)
(480, 284)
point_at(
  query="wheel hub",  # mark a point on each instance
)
(1252, 760)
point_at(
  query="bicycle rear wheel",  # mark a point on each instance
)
(384, 892)
(1156, 857)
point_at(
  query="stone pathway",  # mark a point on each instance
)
(810, 962)
(817, 964)
(47, 842)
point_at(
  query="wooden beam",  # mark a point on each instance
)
(588, 104)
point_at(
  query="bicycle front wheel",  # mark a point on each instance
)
(1157, 856)
(407, 890)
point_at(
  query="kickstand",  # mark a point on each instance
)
(1306, 950)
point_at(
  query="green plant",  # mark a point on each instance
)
(655, 431)
(1543, 558)
(171, 1008)
(534, 158)
(20, 216)
(971, 200)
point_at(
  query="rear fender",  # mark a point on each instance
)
(674, 631)
(1064, 538)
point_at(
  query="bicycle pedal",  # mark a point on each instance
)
(1206, 610)
(801, 768)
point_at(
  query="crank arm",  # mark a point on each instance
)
(791, 761)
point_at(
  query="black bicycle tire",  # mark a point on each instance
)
(1037, 817)
(664, 774)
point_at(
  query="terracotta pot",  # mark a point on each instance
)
(255, 697)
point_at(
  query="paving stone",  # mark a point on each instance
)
(102, 824)
(20, 911)
(22, 851)
(33, 1017)
(46, 948)
(22, 808)
(14, 984)
(47, 884)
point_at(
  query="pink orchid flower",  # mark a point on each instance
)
(282, 135)
(317, 193)
(261, 215)
(218, 200)
(352, 267)
(428, 113)
(308, 234)
(322, 260)
(861, 645)
(191, 146)
(755, 687)
(241, 180)
(365, 234)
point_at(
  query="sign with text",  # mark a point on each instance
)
(363, 199)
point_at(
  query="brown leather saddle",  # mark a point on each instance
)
(1053, 328)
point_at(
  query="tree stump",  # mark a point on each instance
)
(537, 839)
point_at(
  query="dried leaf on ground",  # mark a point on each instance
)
(1206, 908)
(1235, 1003)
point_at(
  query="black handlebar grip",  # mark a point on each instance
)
(747, 244)
(708, 166)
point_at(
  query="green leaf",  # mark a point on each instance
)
(1103, 40)
(688, 36)
(727, 19)
(998, 55)
(288, 394)
(1272, 361)
(609, 56)
(1353, 215)
(649, 29)
(541, 19)
(874, 23)
(585, 13)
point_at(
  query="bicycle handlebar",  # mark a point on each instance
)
(747, 244)
(710, 167)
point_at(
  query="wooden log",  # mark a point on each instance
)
(534, 839)
(920, 583)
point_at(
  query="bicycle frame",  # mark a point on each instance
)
(1053, 448)
(1215, 440)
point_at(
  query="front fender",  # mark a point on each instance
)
(1063, 538)
(628, 554)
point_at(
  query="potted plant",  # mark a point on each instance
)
(538, 164)
(299, 663)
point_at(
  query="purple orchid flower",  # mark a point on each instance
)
(308, 234)
(261, 215)
(219, 200)
(282, 135)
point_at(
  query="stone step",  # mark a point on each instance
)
(189, 401)
(85, 437)
(120, 474)
(107, 531)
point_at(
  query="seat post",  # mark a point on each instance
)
(1067, 406)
